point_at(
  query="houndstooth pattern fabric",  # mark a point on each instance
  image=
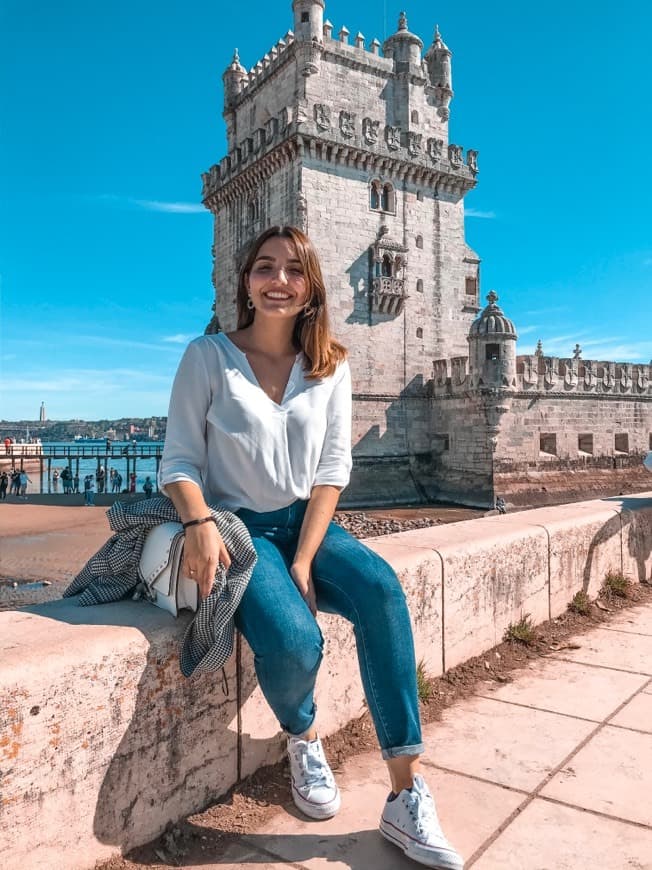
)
(112, 573)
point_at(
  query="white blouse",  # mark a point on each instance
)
(243, 449)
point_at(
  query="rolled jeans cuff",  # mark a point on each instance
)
(397, 751)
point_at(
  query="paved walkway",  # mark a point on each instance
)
(550, 772)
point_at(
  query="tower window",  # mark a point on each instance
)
(492, 351)
(471, 286)
(419, 286)
(585, 442)
(387, 267)
(419, 196)
(374, 196)
(548, 443)
(419, 241)
(419, 332)
(387, 202)
(621, 442)
(414, 116)
(305, 17)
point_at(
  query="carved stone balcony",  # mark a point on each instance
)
(388, 295)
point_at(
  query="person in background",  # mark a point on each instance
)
(15, 482)
(76, 482)
(260, 423)
(24, 479)
(4, 483)
(101, 476)
(89, 490)
(132, 482)
(55, 480)
(148, 487)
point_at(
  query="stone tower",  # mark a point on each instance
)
(352, 145)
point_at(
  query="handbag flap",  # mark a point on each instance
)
(160, 544)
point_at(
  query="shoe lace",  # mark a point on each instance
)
(314, 769)
(422, 810)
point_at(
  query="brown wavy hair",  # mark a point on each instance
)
(312, 333)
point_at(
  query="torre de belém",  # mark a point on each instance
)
(350, 142)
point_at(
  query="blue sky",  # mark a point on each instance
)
(109, 113)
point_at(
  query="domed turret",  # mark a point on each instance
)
(492, 347)
(438, 61)
(403, 46)
(233, 77)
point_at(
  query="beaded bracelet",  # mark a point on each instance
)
(209, 519)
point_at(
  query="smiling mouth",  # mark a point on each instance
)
(282, 297)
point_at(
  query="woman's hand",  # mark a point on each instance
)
(301, 573)
(204, 550)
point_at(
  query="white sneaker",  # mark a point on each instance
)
(314, 790)
(410, 822)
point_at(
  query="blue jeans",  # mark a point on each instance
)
(352, 581)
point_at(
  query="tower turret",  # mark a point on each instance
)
(404, 47)
(308, 20)
(492, 348)
(438, 61)
(233, 77)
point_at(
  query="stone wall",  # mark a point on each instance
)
(103, 742)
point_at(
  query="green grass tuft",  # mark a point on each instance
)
(581, 603)
(521, 631)
(424, 686)
(616, 585)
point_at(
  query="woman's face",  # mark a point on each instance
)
(277, 284)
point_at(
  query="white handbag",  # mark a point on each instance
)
(161, 570)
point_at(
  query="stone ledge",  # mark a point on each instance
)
(102, 741)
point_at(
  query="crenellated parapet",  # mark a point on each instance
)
(545, 375)
(250, 81)
(555, 375)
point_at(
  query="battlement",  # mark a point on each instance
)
(545, 375)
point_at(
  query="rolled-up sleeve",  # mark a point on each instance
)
(334, 468)
(185, 449)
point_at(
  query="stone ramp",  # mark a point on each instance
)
(553, 770)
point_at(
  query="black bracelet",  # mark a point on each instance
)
(210, 519)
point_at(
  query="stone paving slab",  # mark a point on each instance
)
(612, 774)
(637, 714)
(547, 836)
(610, 648)
(568, 687)
(637, 620)
(505, 743)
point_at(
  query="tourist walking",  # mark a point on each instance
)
(148, 487)
(15, 483)
(4, 483)
(260, 423)
(55, 480)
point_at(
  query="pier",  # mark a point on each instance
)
(121, 456)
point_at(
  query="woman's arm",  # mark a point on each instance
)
(321, 507)
(204, 547)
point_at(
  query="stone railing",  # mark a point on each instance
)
(103, 742)
(547, 374)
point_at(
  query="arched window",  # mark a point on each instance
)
(419, 286)
(374, 196)
(419, 332)
(386, 269)
(419, 241)
(387, 198)
(415, 116)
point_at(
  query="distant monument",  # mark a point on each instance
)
(352, 145)
(42, 416)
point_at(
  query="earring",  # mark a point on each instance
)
(250, 303)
